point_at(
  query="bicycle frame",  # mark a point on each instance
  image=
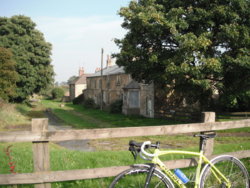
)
(201, 158)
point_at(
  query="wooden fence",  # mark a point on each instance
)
(40, 137)
(183, 116)
(234, 115)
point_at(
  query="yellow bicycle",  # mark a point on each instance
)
(224, 171)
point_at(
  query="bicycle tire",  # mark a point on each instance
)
(231, 167)
(136, 177)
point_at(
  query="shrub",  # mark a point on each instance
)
(89, 103)
(79, 99)
(57, 93)
(116, 107)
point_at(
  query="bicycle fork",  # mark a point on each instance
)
(150, 174)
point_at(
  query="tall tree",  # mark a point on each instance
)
(71, 79)
(31, 53)
(8, 75)
(196, 47)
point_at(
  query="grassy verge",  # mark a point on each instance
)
(14, 116)
(62, 159)
(110, 152)
(81, 117)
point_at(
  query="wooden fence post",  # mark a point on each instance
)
(208, 117)
(41, 158)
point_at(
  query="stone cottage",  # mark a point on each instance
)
(112, 84)
(79, 84)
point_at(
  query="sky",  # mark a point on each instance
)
(77, 30)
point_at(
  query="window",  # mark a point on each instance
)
(118, 80)
(108, 83)
(133, 99)
(100, 84)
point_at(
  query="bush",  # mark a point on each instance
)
(79, 99)
(89, 103)
(57, 93)
(234, 103)
(116, 107)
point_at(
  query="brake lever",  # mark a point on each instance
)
(134, 151)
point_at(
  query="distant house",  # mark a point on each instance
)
(149, 100)
(112, 84)
(77, 85)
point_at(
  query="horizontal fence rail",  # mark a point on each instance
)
(82, 134)
(57, 176)
(40, 137)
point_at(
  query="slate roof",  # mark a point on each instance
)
(80, 79)
(132, 85)
(115, 69)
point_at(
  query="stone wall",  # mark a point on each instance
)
(111, 85)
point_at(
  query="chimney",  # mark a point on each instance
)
(97, 69)
(109, 61)
(81, 71)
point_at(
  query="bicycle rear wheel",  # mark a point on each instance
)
(231, 167)
(136, 177)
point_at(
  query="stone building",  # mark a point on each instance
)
(148, 100)
(79, 84)
(112, 84)
(108, 82)
(138, 99)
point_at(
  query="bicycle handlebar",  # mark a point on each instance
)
(136, 147)
(144, 144)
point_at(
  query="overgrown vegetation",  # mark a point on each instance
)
(89, 103)
(31, 53)
(8, 75)
(57, 93)
(79, 99)
(116, 107)
(13, 116)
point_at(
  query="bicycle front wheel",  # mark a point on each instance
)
(231, 167)
(136, 177)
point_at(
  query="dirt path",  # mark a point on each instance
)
(57, 124)
(99, 123)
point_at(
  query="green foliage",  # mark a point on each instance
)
(8, 75)
(79, 99)
(231, 102)
(31, 53)
(57, 93)
(46, 92)
(194, 47)
(71, 79)
(116, 107)
(89, 103)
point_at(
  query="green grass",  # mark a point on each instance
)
(81, 117)
(13, 116)
(115, 154)
(63, 159)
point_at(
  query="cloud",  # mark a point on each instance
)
(78, 41)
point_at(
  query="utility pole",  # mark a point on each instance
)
(102, 51)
